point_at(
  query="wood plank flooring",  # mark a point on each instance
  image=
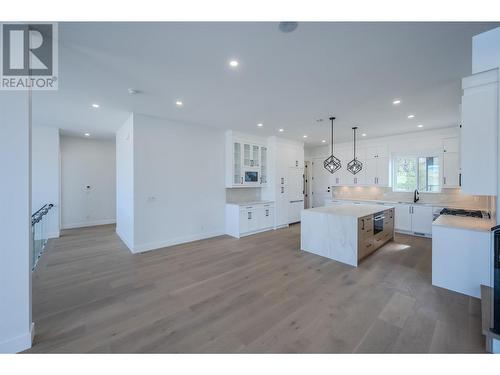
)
(259, 294)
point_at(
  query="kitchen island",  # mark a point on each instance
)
(346, 233)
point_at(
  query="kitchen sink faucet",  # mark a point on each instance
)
(415, 196)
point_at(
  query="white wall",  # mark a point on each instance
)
(178, 183)
(486, 51)
(179, 187)
(125, 182)
(15, 222)
(45, 175)
(86, 161)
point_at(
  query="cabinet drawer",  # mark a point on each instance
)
(365, 248)
(365, 227)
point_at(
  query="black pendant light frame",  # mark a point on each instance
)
(354, 166)
(332, 164)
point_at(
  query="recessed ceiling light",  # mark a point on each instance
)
(304, 136)
(260, 124)
(234, 63)
(396, 101)
(411, 116)
(132, 91)
(281, 130)
(420, 126)
(87, 134)
(95, 105)
(179, 103)
(323, 141)
(363, 135)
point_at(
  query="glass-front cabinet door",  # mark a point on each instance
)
(255, 156)
(263, 165)
(247, 157)
(237, 174)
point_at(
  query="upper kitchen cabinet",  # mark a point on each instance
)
(451, 162)
(377, 166)
(479, 133)
(246, 161)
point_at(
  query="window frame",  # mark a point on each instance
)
(417, 157)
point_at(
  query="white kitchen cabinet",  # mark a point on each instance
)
(402, 220)
(421, 220)
(242, 220)
(451, 170)
(478, 141)
(461, 259)
(340, 177)
(245, 159)
(263, 165)
(375, 170)
(377, 166)
(414, 219)
(451, 162)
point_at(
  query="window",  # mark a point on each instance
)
(416, 172)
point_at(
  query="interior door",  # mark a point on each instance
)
(320, 183)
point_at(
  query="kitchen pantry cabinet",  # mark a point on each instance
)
(243, 220)
(451, 162)
(478, 140)
(414, 218)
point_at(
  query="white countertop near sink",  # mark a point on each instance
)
(249, 203)
(467, 223)
(353, 210)
(436, 204)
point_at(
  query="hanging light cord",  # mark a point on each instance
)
(354, 131)
(331, 133)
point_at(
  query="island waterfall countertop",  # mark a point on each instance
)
(467, 223)
(346, 233)
(353, 210)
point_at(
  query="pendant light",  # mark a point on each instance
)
(354, 166)
(332, 164)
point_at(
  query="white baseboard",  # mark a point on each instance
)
(89, 224)
(19, 343)
(174, 241)
(53, 235)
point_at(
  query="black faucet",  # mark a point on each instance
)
(415, 196)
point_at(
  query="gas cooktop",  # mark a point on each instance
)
(459, 212)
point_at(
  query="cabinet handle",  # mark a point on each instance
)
(249, 216)
(409, 209)
(444, 180)
(241, 179)
(460, 179)
(363, 226)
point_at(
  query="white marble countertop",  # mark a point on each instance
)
(436, 204)
(249, 203)
(467, 223)
(353, 210)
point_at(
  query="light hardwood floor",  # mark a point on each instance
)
(256, 294)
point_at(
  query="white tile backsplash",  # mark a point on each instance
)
(238, 195)
(447, 197)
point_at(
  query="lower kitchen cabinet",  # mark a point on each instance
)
(242, 220)
(414, 219)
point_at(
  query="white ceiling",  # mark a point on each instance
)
(351, 70)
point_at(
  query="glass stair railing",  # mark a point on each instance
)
(39, 232)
